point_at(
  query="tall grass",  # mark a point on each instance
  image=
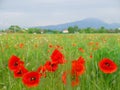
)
(36, 52)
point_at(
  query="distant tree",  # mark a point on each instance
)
(117, 30)
(34, 30)
(81, 30)
(70, 29)
(76, 29)
(90, 30)
(14, 28)
(1, 30)
(102, 30)
(56, 31)
(73, 29)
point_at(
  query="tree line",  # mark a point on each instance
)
(74, 29)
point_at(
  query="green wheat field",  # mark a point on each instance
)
(36, 49)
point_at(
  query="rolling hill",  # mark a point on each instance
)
(89, 22)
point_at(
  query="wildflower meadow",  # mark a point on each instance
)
(59, 61)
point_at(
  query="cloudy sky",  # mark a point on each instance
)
(51, 12)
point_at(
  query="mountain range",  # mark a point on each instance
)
(89, 22)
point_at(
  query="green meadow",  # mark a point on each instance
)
(36, 49)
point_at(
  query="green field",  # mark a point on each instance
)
(35, 51)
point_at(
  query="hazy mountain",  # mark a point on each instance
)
(90, 22)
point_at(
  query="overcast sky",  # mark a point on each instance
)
(51, 12)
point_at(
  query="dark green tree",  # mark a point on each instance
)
(14, 28)
(34, 30)
(102, 30)
(76, 29)
(70, 29)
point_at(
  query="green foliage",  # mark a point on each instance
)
(71, 30)
(34, 30)
(74, 29)
(92, 79)
(14, 28)
(92, 30)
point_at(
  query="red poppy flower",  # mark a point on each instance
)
(57, 57)
(21, 45)
(48, 51)
(57, 46)
(14, 63)
(51, 66)
(31, 79)
(81, 50)
(91, 56)
(75, 82)
(74, 79)
(64, 76)
(107, 66)
(81, 60)
(20, 72)
(74, 44)
(42, 71)
(97, 43)
(50, 46)
(91, 43)
(77, 68)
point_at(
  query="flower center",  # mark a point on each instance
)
(32, 79)
(52, 65)
(16, 64)
(19, 72)
(107, 64)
